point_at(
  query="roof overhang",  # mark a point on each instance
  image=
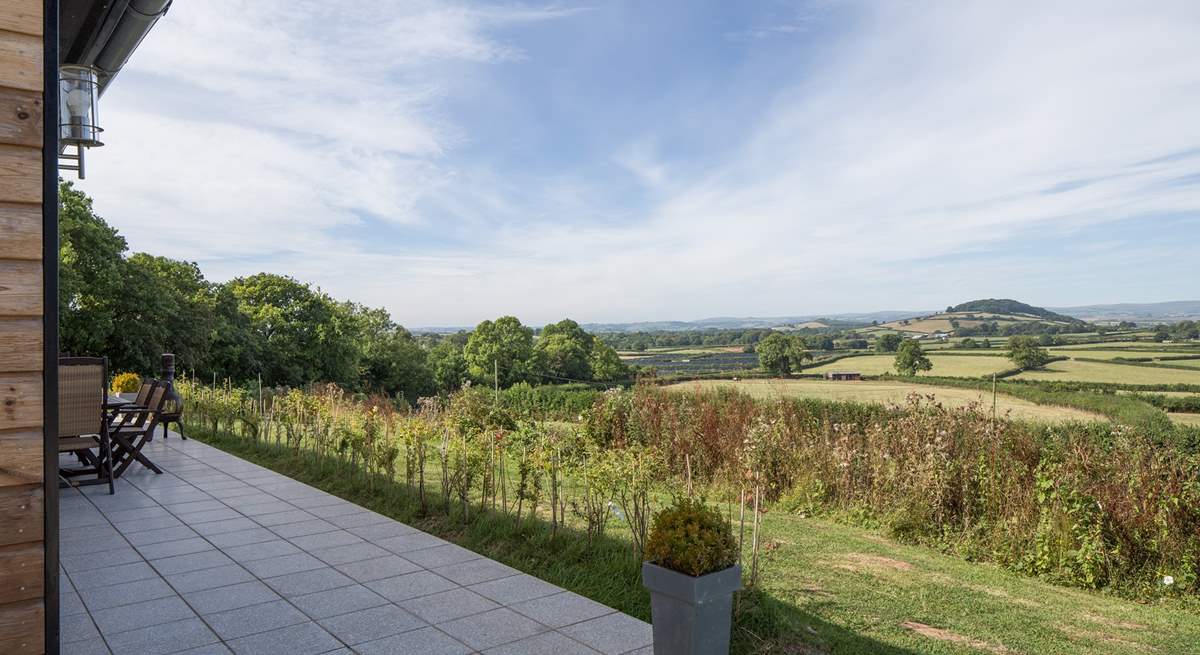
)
(104, 33)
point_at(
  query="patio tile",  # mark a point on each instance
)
(77, 627)
(241, 537)
(370, 624)
(515, 589)
(303, 639)
(326, 540)
(221, 599)
(377, 569)
(209, 649)
(87, 532)
(546, 643)
(441, 556)
(139, 514)
(262, 507)
(191, 507)
(233, 491)
(92, 546)
(262, 550)
(314, 526)
(499, 626)
(334, 602)
(228, 525)
(377, 531)
(358, 520)
(69, 603)
(475, 571)
(254, 619)
(125, 593)
(562, 609)
(410, 542)
(191, 562)
(281, 518)
(160, 535)
(140, 615)
(427, 641)
(221, 576)
(208, 516)
(104, 576)
(611, 634)
(410, 585)
(305, 582)
(269, 568)
(133, 527)
(448, 605)
(349, 553)
(341, 508)
(161, 639)
(76, 563)
(171, 548)
(85, 647)
(317, 500)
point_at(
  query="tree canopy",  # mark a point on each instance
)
(910, 359)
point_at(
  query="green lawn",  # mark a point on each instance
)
(889, 392)
(1097, 353)
(825, 588)
(954, 366)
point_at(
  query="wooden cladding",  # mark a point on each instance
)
(21, 573)
(20, 232)
(24, 16)
(21, 514)
(20, 174)
(20, 289)
(20, 60)
(23, 628)
(21, 118)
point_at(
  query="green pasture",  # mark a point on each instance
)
(950, 366)
(1074, 370)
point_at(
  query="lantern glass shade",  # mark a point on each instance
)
(78, 119)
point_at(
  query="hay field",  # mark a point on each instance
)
(1112, 373)
(953, 366)
(888, 392)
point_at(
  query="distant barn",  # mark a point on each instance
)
(843, 375)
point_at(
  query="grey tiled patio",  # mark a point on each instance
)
(219, 555)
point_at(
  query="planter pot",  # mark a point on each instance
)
(691, 615)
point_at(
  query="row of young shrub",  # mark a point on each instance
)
(1096, 505)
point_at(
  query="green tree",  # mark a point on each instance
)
(1026, 352)
(92, 270)
(797, 353)
(888, 343)
(606, 364)
(563, 351)
(774, 354)
(303, 335)
(503, 343)
(448, 365)
(391, 360)
(910, 358)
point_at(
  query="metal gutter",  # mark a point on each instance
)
(133, 26)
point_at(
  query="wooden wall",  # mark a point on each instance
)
(22, 511)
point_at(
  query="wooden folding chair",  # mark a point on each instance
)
(81, 421)
(134, 429)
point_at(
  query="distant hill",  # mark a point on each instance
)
(1007, 306)
(1142, 313)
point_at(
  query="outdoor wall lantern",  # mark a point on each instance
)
(78, 90)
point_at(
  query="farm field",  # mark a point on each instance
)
(1189, 363)
(888, 392)
(1075, 370)
(1186, 419)
(952, 366)
(1097, 353)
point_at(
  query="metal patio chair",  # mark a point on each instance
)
(82, 424)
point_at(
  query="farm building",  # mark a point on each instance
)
(843, 375)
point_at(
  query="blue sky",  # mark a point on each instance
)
(620, 161)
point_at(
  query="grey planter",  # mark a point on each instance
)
(691, 615)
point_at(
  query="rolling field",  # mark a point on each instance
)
(1073, 370)
(1186, 419)
(1096, 353)
(888, 392)
(957, 367)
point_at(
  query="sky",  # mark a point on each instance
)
(669, 160)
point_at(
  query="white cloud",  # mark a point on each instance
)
(268, 129)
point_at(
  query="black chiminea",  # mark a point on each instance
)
(172, 402)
